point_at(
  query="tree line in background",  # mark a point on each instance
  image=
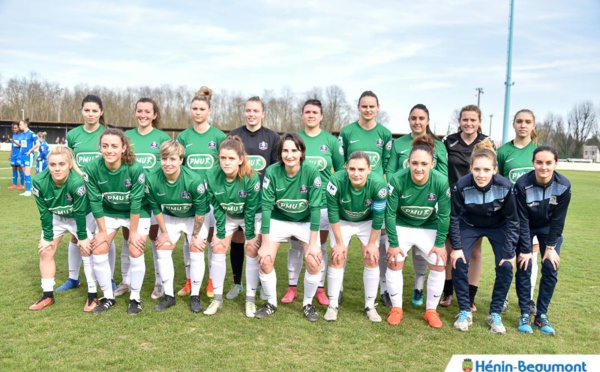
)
(47, 101)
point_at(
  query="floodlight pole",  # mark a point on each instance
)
(508, 83)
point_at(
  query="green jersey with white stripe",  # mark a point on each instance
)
(185, 197)
(239, 198)
(201, 149)
(69, 200)
(294, 199)
(324, 152)
(401, 151)
(85, 145)
(409, 205)
(147, 147)
(346, 203)
(513, 162)
(377, 143)
(118, 193)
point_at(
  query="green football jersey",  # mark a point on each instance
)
(409, 205)
(324, 152)
(201, 149)
(69, 200)
(118, 193)
(147, 147)
(185, 197)
(239, 198)
(346, 203)
(377, 143)
(295, 199)
(85, 145)
(401, 151)
(513, 162)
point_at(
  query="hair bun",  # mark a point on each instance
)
(204, 92)
(424, 140)
(486, 144)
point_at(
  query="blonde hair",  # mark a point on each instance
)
(485, 149)
(203, 94)
(171, 147)
(42, 135)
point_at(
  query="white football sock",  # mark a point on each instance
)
(323, 264)
(370, 281)
(395, 282)
(48, 285)
(435, 287)
(112, 258)
(269, 284)
(157, 281)
(164, 263)
(252, 267)
(102, 273)
(534, 273)
(196, 271)
(187, 259)
(294, 262)
(74, 258)
(420, 269)
(311, 283)
(335, 277)
(137, 271)
(125, 262)
(88, 271)
(218, 270)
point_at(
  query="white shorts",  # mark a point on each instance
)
(209, 218)
(113, 224)
(62, 225)
(282, 231)
(233, 224)
(535, 240)
(324, 221)
(177, 225)
(361, 229)
(153, 219)
(422, 240)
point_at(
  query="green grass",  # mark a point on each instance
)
(62, 337)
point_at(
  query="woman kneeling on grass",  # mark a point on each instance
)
(483, 205)
(62, 200)
(418, 206)
(543, 197)
(291, 207)
(234, 192)
(177, 196)
(116, 184)
(356, 206)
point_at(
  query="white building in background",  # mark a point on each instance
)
(591, 153)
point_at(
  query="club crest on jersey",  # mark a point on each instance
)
(86, 178)
(242, 194)
(153, 145)
(185, 195)
(212, 145)
(379, 142)
(432, 197)
(553, 200)
(127, 183)
(367, 202)
(317, 183)
(69, 197)
(303, 189)
(81, 191)
(263, 146)
(200, 189)
(388, 146)
(142, 178)
(381, 194)
(257, 187)
(448, 192)
(323, 148)
(35, 191)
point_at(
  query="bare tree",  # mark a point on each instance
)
(583, 121)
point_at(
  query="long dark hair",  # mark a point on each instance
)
(95, 99)
(128, 156)
(155, 122)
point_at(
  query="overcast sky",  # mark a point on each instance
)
(434, 52)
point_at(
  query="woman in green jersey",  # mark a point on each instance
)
(514, 160)
(116, 184)
(291, 207)
(201, 142)
(356, 200)
(145, 140)
(419, 209)
(376, 140)
(85, 143)
(418, 119)
(234, 193)
(325, 153)
(177, 197)
(62, 200)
